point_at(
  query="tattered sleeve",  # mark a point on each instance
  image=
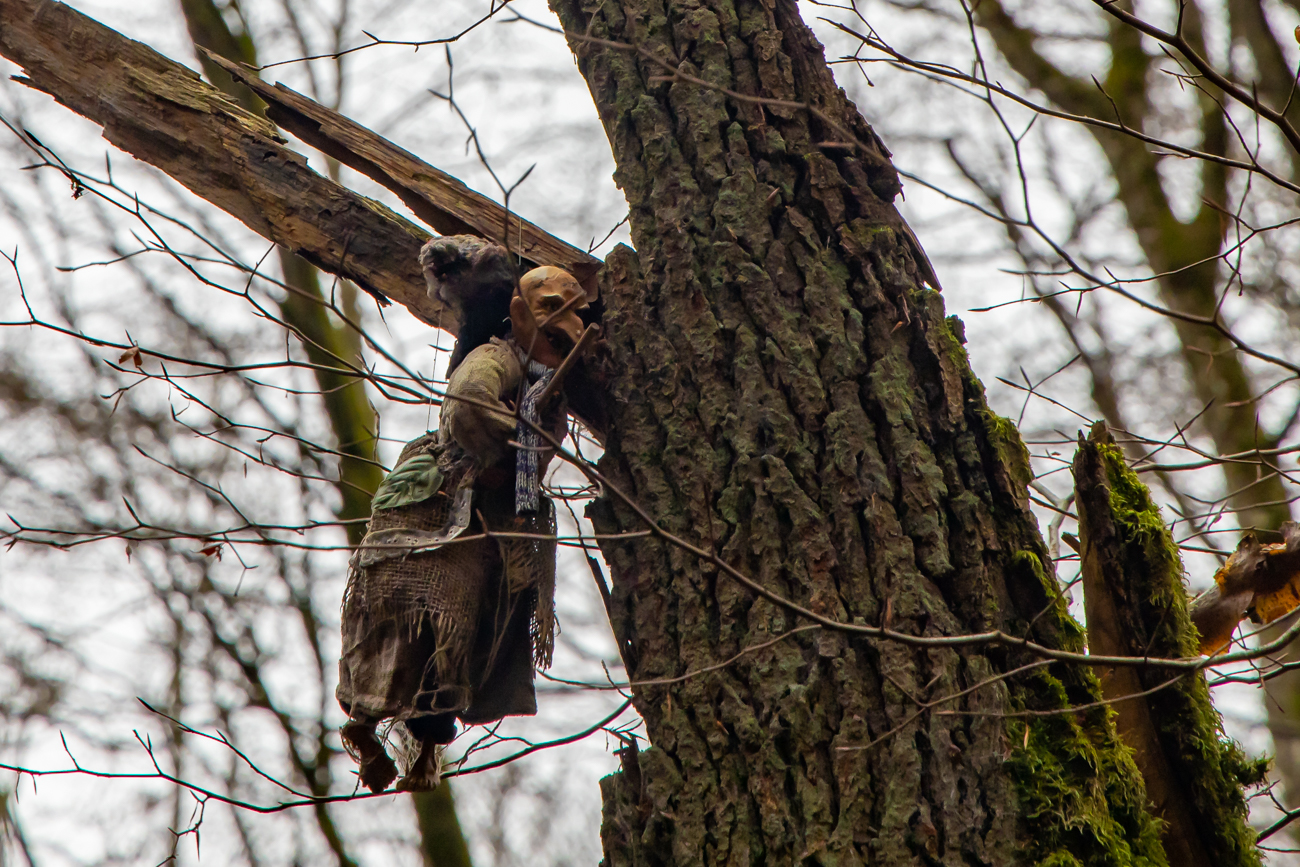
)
(473, 413)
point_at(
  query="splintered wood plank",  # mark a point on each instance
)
(437, 198)
(162, 113)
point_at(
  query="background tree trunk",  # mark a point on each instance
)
(787, 394)
(353, 419)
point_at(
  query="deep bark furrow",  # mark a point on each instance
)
(787, 392)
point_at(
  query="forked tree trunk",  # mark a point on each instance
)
(788, 394)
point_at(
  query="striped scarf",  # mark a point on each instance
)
(528, 485)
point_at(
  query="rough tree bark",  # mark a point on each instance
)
(1137, 606)
(787, 394)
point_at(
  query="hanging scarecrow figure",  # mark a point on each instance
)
(440, 621)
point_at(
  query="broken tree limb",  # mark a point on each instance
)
(1137, 606)
(162, 113)
(437, 198)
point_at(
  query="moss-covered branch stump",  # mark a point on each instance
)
(1137, 606)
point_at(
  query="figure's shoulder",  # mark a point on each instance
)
(504, 345)
(496, 353)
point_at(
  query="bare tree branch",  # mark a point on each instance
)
(161, 112)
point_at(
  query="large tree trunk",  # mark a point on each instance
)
(787, 394)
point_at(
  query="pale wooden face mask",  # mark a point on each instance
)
(548, 289)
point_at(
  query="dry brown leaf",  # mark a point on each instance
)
(132, 355)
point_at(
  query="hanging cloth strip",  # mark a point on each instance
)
(528, 485)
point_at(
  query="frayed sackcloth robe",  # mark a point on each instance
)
(436, 620)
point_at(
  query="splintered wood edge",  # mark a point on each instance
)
(442, 201)
(146, 102)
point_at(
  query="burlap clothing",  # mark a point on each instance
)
(438, 617)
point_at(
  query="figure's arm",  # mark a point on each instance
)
(473, 413)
